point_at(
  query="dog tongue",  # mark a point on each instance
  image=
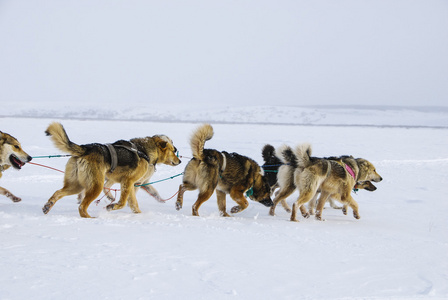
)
(18, 161)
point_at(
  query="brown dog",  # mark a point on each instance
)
(133, 163)
(227, 173)
(333, 178)
(11, 154)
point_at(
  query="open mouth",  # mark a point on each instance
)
(16, 162)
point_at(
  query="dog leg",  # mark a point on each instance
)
(202, 197)
(312, 205)
(133, 204)
(221, 196)
(8, 194)
(106, 190)
(72, 189)
(152, 191)
(238, 197)
(281, 196)
(353, 204)
(321, 203)
(344, 209)
(186, 186)
(333, 204)
(125, 192)
(303, 198)
(91, 194)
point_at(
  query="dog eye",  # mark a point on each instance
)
(17, 147)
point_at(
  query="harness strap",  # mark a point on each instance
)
(113, 157)
(347, 168)
(134, 149)
(224, 162)
(350, 171)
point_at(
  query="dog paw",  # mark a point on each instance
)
(235, 209)
(319, 218)
(47, 207)
(344, 211)
(178, 205)
(306, 216)
(12, 197)
(356, 216)
(15, 199)
(272, 212)
(110, 207)
(225, 214)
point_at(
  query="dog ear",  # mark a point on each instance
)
(162, 144)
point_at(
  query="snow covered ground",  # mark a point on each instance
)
(397, 250)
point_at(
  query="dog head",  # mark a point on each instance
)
(11, 152)
(167, 151)
(261, 191)
(365, 185)
(367, 171)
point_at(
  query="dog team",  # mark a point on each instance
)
(94, 168)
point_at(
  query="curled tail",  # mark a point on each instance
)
(60, 139)
(202, 134)
(267, 152)
(303, 154)
(287, 156)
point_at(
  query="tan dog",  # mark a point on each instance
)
(227, 173)
(91, 164)
(290, 169)
(333, 179)
(11, 154)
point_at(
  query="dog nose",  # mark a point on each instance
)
(29, 158)
(267, 202)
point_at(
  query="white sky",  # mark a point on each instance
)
(236, 52)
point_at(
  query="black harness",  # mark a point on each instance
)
(114, 157)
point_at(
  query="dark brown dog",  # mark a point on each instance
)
(227, 173)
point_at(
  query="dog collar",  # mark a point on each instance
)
(350, 171)
(250, 192)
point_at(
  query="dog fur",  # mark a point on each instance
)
(227, 173)
(90, 165)
(11, 155)
(331, 178)
(291, 170)
(271, 165)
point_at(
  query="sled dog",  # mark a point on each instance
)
(271, 165)
(292, 168)
(130, 163)
(11, 154)
(335, 179)
(227, 173)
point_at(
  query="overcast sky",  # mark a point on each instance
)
(235, 52)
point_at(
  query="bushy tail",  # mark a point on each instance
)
(268, 153)
(303, 153)
(202, 134)
(60, 139)
(287, 156)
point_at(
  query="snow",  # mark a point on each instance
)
(397, 250)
